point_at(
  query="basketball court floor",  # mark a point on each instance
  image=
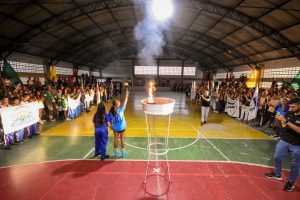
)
(224, 159)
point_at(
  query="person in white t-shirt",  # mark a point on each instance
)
(6, 137)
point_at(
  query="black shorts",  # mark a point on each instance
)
(119, 131)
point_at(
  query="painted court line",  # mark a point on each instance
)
(138, 160)
(174, 129)
(86, 155)
(177, 148)
(210, 143)
(214, 146)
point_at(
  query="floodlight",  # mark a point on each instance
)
(162, 9)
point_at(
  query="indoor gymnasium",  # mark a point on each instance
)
(149, 99)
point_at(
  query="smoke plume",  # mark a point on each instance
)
(149, 34)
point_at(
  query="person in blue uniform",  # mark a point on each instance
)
(101, 132)
(289, 143)
(118, 124)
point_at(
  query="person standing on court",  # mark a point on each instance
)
(205, 100)
(101, 133)
(289, 142)
(118, 123)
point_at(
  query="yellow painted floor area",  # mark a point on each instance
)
(185, 122)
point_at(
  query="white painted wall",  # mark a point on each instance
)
(290, 62)
(125, 69)
(283, 63)
(199, 74)
(35, 60)
(118, 69)
(121, 69)
(19, 57)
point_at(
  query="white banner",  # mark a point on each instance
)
(18, 117)
(253, 106)
(74, 103)
(232, 107)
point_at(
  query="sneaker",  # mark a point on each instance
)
(117, 152)
(275, 136)
(273, 176)
(204, 122)
(97, 154)
(7, 148)
(288, 186)
(103, 158)
(52, 120)
(68, 119)
(123, 154)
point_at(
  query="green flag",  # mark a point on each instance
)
(9, 72)
(296, 81)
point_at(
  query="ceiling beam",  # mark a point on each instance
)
(235, 54)
(189, 52)
(249, 21)
(195, 4)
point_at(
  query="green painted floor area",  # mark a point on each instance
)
(74, 140)
(42, 148)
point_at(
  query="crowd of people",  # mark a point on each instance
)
(271, 101)
(276, 107)
(52, 99)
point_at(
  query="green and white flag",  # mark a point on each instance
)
(9, 72)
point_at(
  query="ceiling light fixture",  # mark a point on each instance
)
(162, 9)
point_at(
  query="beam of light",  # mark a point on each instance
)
(162, 9)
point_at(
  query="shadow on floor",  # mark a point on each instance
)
(80, 168)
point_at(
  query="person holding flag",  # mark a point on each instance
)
(205, 100)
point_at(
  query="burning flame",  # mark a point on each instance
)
(151, 89)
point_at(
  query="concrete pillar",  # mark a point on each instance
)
(46, 66)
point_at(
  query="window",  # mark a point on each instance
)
(145, 70)
(26, 67)
(238, 74)
(101, 80)
(189, 71)
(267, 85)
(221, 75)
(63, 71)
(170, 71)
(289, 72)
(96, 74)
(235, 74)
(83, 72)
